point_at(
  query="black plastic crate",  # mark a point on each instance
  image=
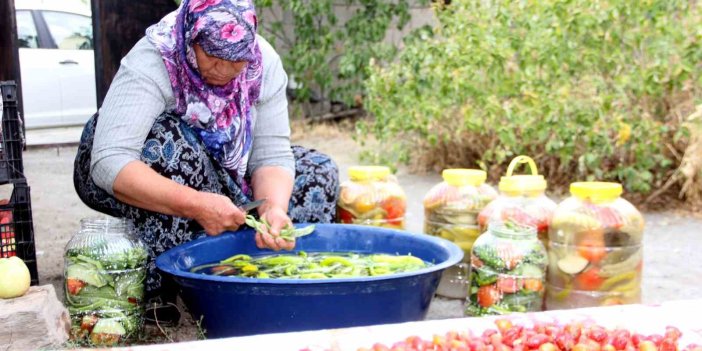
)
(11, 166)
(16, 228)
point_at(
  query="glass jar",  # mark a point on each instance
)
(451, 212)
(507, 271)
(522, 200)
(105, 268)
(596, 252)
(372, 196)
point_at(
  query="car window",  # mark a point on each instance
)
(26, 30)
(70, 31)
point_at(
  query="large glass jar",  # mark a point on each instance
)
(372, 196)
(596, 252)
(105, 268)
(507, 271)
(451, 211)
(522, 200)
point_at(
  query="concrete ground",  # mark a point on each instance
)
(672, 268)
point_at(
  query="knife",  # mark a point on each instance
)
(252, 205)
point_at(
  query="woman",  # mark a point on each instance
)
(193, 126)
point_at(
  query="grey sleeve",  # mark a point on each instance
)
(137, 96)
(271, 141)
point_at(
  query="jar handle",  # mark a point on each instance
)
(519, 160)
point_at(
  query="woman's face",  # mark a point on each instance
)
(214, 70)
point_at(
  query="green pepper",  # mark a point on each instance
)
(397, 260)
(282, 260)
(335, 259)
(237, 258)
(484, 276)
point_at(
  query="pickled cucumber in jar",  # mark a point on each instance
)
(451, 212)
(372, 196)
(507, 271)
(596, 249)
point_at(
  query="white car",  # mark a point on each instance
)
(56, 62)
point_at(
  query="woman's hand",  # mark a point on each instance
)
(278, 219)
(217, 213)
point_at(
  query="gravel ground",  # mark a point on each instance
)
(672, 268)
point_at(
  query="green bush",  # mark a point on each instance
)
(590, 89)
(325, 55)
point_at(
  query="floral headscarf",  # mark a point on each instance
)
(221, 115)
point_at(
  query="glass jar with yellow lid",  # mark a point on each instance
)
(372, 196)
(522, 200)
(451, 211)
(596, 252)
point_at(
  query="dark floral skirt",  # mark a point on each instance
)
(174, 150)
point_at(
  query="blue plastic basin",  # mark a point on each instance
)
(232, 306)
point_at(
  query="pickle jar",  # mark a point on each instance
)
(372, 196)
(522, 200)
(105, 268)
(451, 212)
(507, 271)
(596, 252)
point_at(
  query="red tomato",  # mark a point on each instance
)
(511, 335)
(537, 340)
(489, 332)
(488, 295)
(88, 322)
(636, 339)
(656, 338)
(647, 345)
(592, 248)
(484, 216)
(509, 285)
(598, 334)
(621, 339)
(344, 216)
(74, 286)
(668, 344)
(533, 285)
(548, 347)
(395, 208)
(565, 341)
(589, 280)
(503, 325)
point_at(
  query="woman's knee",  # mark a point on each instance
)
(316, 187)
(173, 150)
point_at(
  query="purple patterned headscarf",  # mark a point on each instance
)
(221, 115)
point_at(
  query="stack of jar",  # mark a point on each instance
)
(105, 268)
(596, 254)
(522, 201)
(372, 196)
(508, 262)
(451, 212)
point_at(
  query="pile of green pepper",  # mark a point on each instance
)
(317, 265)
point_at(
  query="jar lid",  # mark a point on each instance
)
(522, 182)
(464, 176)
(596, 191)
(368, 172)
